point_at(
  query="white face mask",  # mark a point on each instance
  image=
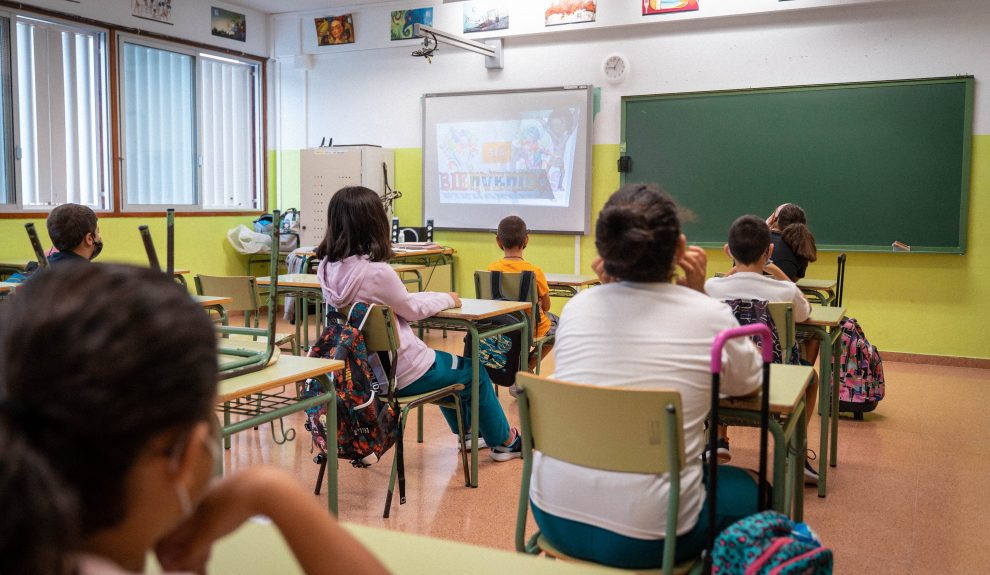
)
(181, 492)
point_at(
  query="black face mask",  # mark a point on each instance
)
(97, 248)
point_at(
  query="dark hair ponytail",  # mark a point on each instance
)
(637, 233)
(95, 362)
(794, 230)
(38, 518)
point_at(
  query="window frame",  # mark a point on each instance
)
(258, 101)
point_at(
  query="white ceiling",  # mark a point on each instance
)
(280, 6)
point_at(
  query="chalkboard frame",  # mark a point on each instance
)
(965, 159)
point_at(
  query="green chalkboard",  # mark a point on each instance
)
(871, 163)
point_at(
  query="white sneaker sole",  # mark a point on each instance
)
(505, 455)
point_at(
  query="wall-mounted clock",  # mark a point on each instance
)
(615, 68)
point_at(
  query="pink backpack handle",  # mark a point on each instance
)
(753, 329)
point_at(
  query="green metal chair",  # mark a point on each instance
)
(381, 336)
(244, 291)
(510, 286)
(628, 430)
(783, 318)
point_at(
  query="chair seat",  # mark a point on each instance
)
(693, 566)
(428, 397)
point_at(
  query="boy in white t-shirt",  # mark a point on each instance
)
(750, 247)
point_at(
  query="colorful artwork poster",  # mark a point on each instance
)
(404, 20)
(157, 10)
(570, 11)
(485, 16)
(528, 160)
(227, 24)
(665, 6)
(332, 30)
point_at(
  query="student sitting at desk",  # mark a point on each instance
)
(751, 249)
(642, 330)
(512, 238)
(75, 234)
(793, 243)
(108, 436)
(354, 257)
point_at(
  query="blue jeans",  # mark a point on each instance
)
(736, 499)
(449, 369)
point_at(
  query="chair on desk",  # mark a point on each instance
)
(633, 431)
(244, 291)
(381, 337)
(506, 285)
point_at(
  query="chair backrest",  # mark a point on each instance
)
(241, 289)
(783, 319)
(380, 331)
(510, 285)
(610, 428)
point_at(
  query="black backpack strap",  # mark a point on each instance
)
(526, 284)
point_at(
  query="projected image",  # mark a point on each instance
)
(528, 161)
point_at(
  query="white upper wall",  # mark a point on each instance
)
(370, 92)
(190, 21)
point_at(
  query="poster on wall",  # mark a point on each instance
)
(157, 10)
(332, 30)
(570, 11)
(227, 24)
(665, 6)
(403, 21)
(485, 16)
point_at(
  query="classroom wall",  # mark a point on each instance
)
(916, 303)
(200, 241)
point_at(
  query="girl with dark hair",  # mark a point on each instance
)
(643, 329)
(354, 267)
(108, 440)
(793, 243)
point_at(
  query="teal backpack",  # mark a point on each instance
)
(769, 543)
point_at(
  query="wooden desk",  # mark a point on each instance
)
(424, 258)
(823, 324)
(215, 303)
(7, 289)
(820, 291)
(470, 317)
(788, 426)
(257, 547)
(248, 395)
(179, 275)
(568, 285)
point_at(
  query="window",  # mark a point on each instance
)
(61, 148)
(59, 133)
(191, 125)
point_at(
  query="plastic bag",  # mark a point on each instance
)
(247, 241)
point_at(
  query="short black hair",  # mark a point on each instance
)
(68, 225)
(512, 232)
(749, 238)
(357, 225)
(637, 234)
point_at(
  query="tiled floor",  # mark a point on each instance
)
(907, 496)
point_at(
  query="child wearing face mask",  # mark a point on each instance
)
(107, 447)
(75, 233)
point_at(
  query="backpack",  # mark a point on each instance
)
(769, 543)
(748, 311)
(366, 427)
(500, 353)
(861, 369)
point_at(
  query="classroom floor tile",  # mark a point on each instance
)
(906, 496)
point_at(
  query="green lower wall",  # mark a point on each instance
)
(913, 303)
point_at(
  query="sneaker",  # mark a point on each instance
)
(513, 390)
(467, 441)
(508, 452)
(723, 450)
(810, 475)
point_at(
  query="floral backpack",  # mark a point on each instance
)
(769, 543)
(366, 427)
(861, 369)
